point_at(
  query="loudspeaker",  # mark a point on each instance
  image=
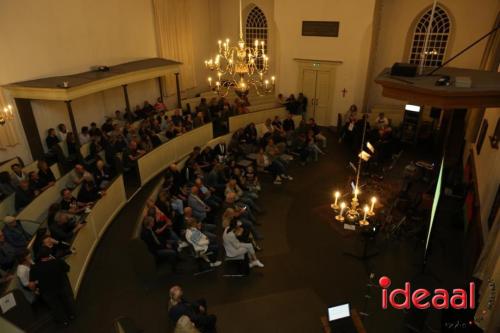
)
(435, 113)
(403, 69)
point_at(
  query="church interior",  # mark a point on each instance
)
(243, 166)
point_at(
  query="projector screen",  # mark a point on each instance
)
(411, 107)
(435, 202)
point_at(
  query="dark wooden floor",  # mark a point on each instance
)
(305, 266)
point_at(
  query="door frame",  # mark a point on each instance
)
(319, 65)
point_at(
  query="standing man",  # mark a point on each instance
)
(50, 279)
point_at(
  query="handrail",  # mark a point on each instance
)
(155, 161)
(241, 121)
(88, 237)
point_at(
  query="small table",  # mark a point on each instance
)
(358, 324)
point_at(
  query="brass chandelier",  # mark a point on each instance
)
(240, 68)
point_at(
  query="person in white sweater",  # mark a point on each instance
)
(235, 248)
(200, 242)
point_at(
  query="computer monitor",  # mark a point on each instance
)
(339, 312)
(340, 320)
(413, 108)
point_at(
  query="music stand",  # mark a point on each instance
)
(366, 233)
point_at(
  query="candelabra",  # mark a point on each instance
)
(353, 213)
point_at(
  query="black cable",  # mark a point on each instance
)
(459, 53)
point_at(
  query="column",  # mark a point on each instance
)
(27, 117)
(125, 95)
(178, 89)
(160, 87)
(73, 122)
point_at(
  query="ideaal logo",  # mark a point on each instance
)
(424, 299)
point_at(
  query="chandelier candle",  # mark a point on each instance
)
(241, 67)
(364, 221)
(371, 212)
(337, 196)
(339, 217)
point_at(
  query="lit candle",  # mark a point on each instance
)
(272, 79)
(342, 207)
(256, 43)
(337, 196)
(210, 81)
(266, 83)
(365, 209)
(356, 192)
(260, 74)
(219, 74)
(374, 200)
(220, 43)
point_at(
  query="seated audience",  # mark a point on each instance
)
(18, 174)
(24, 263)
(7, 186)
(252, 180)
(15, 234)
(243, 213)
(7, 254)
(235, 248)
(201, 243)
(158, 246)
(65, 227)
(200, 208)
(70, 204)
(317, 132)
(240, 195)
(84, 135)
(276, 169)
(76, 177)
(37, 185)
(45, 173)
(197, 311)
(89, 193)
(102, 175)
(24, 195)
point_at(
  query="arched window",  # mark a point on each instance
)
(438, 38)
(256, 28)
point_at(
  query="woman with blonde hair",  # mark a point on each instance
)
(235, 248)
(185, 325)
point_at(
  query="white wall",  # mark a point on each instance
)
(52, 37)
(352, 47)
(285, 18)
(205, 19)
(470, 20)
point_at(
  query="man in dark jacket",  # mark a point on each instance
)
(50, 278)
(15, 234)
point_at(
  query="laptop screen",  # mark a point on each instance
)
(339, 312)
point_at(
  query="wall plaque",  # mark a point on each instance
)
(320, 28)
